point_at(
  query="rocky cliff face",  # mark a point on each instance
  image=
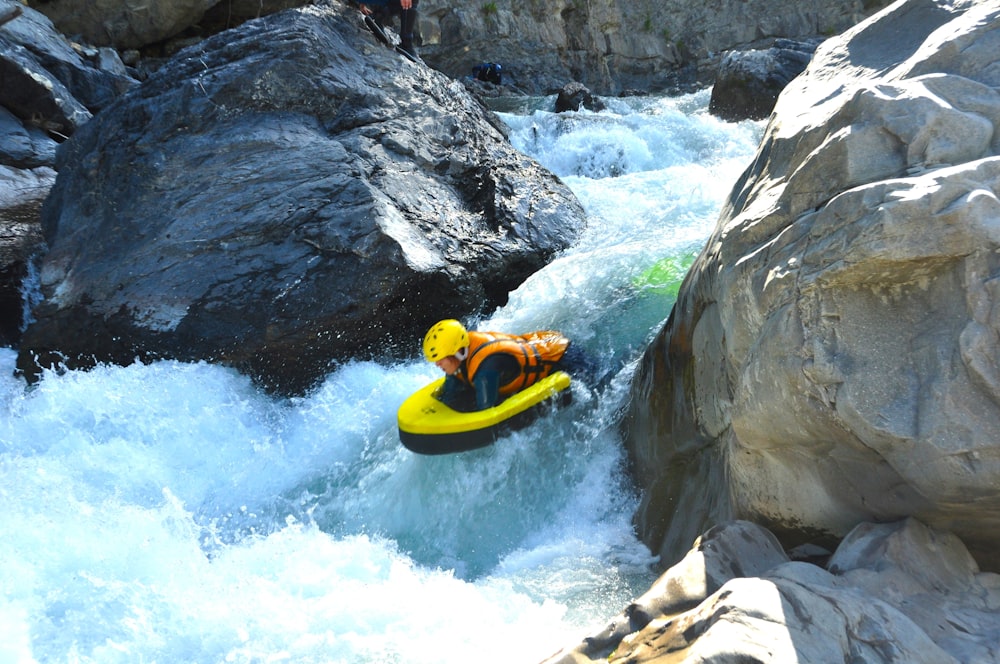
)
(609, 45)
(832, 357)
(615, 45)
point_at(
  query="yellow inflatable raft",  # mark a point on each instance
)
(428, 426)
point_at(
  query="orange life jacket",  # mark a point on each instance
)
(536, 352)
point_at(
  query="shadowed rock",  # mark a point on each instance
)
(748, 82)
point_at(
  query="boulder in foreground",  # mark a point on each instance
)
(892, 593)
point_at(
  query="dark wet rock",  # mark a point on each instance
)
(65, 80)
(575, 96)
(282, 197)
(748, 82)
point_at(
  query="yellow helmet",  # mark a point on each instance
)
(447, 337)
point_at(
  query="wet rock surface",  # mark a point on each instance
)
(283, 197)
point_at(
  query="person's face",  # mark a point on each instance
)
(449, 364)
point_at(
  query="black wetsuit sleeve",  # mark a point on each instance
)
(495, 370)
(487, 384)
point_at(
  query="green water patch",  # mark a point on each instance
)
(664, 277)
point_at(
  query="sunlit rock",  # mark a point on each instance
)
(897, 592)
(834, 354)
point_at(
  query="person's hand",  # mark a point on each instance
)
(406, 4)
(364, 10)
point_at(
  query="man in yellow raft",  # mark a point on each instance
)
(491, 366)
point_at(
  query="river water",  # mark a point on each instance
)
(172, 512)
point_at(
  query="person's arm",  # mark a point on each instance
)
(496, 370)
(487, 386)
(455, 394)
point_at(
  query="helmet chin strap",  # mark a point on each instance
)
(462, 353)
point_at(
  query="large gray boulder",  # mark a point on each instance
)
(834, 353)
(748, 82)
(898, 593)
(283, 197)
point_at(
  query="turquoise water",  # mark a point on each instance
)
(171, 512)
